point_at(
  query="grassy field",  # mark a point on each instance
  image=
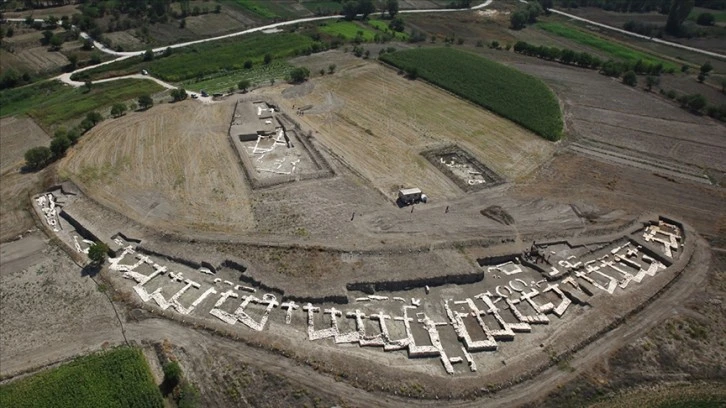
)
(512, 94)
(208, 58)
(118, 378)
(347, 29)
(610, 49)
(51, 103)
(259, 74)
(382, 25)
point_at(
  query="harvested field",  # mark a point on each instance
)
(170, 166)
(379, 122)
(18, 134)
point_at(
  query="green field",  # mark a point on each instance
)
(208, 58)
(347, 29)
(52, 102)
(256, 7)
(382, 25)
(512, 94)
(117, 378)
(611, 49)
(259, 74)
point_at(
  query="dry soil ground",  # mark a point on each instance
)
(169, 166)
(378, 123)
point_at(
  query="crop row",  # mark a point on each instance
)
(117, 378)
(507, 92)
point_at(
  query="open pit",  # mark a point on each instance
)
(462, 168)
(272, 147)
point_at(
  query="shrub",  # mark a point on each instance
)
(37, 157)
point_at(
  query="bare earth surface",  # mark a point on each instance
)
(168, 167)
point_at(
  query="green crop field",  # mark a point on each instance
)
(382, 25)
(258, 74)
(208, 58)
(611, 49)
(117, 378)
(512, 94)
(255, 7)
(347, 29)
(52, 102)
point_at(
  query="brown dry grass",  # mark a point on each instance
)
(378, 122)
(171, 166)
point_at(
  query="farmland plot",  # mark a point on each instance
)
(379, 123)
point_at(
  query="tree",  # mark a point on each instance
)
(59, 145)
(706, 69)
(630, 79)
(73, 135)
(651, 81)
(145, 102)
(178, 94)
(392, 8)
(168, 51)
(94, 118)
(87, 44)
(331, 70)
(89, 85)
(349, 9)
(680, 9)
(299, 74)
(37, 157)
(56, 42)
(118, 109)
(706, 19)
(97, 253)
(397, 25)
(72, 62)
(411, 73)
(243, 85)
(183, 23)
(268, 58)
(148, 55)
(248, 64)
(546, 5)
(366, 7)
(95, 58)
(47, 35)
(518, 20)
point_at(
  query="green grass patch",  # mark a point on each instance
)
(611, 49)
(382, 25)
(512, 94)
(347, 29)
(117, 378)
(258, 74)
(52, 102)
(209, 58)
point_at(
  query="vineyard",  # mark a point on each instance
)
(117, 378)
(207, 59)
(514, 95)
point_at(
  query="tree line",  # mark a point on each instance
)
(38, 157)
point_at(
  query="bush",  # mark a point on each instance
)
(37, 157)
(97, 253)
(172, 374)
(59, 145)
(630, 79)
(299, 74)
(706, 19)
